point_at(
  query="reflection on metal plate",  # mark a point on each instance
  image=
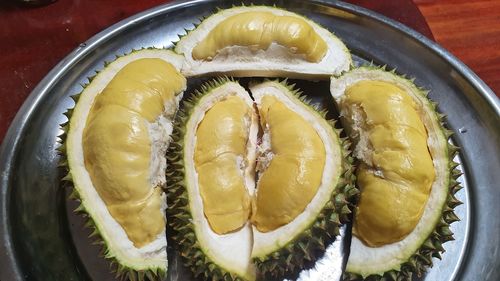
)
(331, 265)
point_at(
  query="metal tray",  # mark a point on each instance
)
(41, 238)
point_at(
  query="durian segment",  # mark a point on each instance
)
(287, 248)
(210, 255)
(123, 128)
(262, 41)
(220, 151)
(398, 260)
(258, 30)
(294, 173)
(397, 170)
(117, 144)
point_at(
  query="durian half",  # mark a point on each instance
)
(117, 136)
(406, 174)
(228, 226)
(211, 180)
(304, 181)
(262, 41)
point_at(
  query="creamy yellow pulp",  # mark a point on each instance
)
(221, 150)
(294, 174)
(285, 188)
(258, 30)
(396, 177)
(117, 144)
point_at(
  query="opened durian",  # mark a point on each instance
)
(231, 226)
(304, 181)
(262, 41)
(406, 175)
(213, 147)
(115, 147)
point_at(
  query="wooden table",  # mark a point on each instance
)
(470, 30)
(33, 40)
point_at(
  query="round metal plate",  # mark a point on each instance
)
(41, 238)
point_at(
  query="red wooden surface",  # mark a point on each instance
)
(471, 31)
(33, 40)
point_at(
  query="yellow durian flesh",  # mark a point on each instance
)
(117, 144)
(294, 174)
(258, 30)
(221, 146)
(397, 174)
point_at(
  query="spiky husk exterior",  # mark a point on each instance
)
(178, 211)
(309, 245)
(121, 271)
(421, 260)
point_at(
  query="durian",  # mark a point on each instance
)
(117, 135)
(212, 248)
(304, 181)
(406, 174)
(262, 41)
(259, 182)
(234, 224)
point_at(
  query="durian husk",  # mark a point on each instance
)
(308, 246)
(122, 271)
(251, 66)
(432, 247)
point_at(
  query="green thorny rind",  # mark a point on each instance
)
(432, 247)
(121, 271)
(178, 210)
(310, 244)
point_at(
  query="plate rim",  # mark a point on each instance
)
(9, 267)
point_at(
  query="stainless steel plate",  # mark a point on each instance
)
(41, 238)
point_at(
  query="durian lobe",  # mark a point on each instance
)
(242, 53)
(208, 254)
(288, 248)
(117, 144)
(398, 172)
(127, 261)
(414, 254)
(258, 30)
(294, 173)
(222, 138)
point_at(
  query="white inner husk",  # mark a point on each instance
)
(230, 251)
(266, 243)
(119, 245)
(160, 132)
(264, 152)
(277, 60)
(366, 260)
